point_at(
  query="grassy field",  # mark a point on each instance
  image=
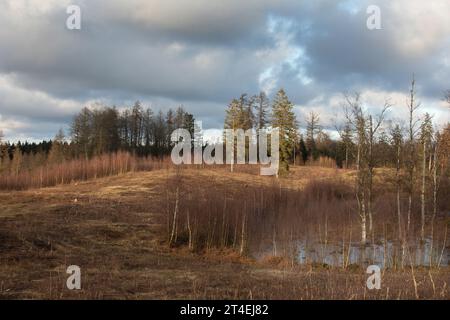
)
(114, 228)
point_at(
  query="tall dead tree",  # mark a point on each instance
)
(412, 105)
(397, 143)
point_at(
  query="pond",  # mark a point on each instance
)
(383, 253)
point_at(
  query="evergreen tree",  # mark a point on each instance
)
(312, 129)
(262, 109)
(17, 161)
(283, 117)
(303, 150)
(57, 152)
(81, 132)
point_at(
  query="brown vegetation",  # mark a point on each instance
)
(51, 174)
(116, 230)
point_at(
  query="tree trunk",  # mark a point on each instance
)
(409, 211)
(174, 223)
(346, 156)
(422, 195)
(399, 213)
(363, 224)
(435, 182)
(242, 249)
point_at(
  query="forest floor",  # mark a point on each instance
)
(113, 228)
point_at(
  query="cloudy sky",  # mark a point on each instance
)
(202, 53)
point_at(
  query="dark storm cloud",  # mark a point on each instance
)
(202, 53)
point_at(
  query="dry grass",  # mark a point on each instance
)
(113, 228)
(52, 174)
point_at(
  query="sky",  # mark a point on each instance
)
(202, 53)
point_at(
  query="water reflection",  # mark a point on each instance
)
(383, 253)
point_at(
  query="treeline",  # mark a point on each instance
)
(97, 131)
(137, 130)
(142, 132)
(305, 141)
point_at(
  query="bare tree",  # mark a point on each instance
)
(447, 96)
(412, 105)
(397, 143)
(436, 170)
(355, 116)
(426, 134)
(366, 128)
(373, 126)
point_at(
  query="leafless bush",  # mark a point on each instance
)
(79, 169)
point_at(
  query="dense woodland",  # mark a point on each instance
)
(101, 130)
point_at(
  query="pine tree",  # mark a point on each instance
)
(261, 108)
(17, 161)
(57, 154)
(136, 120)
(347, 140)
(239, 114)
(81, 132)
(312, 130)
(303, 150)
(283, 117)
(148, 127)
(4, 156)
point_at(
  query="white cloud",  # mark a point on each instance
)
(202, 53)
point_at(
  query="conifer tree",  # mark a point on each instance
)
(283, 117)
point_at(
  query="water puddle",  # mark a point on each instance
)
(383, 253)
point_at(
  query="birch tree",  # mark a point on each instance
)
(426, 133)
(355, 117)
(413, 106)
(397, 143)
(373, 127)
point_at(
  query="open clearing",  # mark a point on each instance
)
(113, 229)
